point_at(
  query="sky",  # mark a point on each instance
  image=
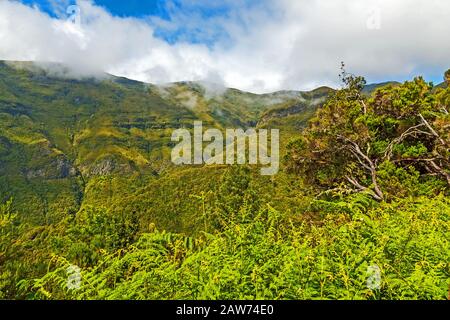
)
(253, 45)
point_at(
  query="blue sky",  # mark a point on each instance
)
(134, 8)
(165, 10)
(253, 45)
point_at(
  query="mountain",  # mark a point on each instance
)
(95, 196)
(67, 142)
(442, 85)
(368, 89)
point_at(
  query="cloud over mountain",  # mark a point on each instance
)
(264, 47)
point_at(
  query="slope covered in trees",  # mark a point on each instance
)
(363, 187)
(66, 143)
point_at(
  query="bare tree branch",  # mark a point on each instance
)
(435, 169)
(369, 165)
(440, 170)
(364, 106)
(431, 129)
(361, 188)
(409, 132)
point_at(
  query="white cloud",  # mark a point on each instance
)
(279, 44)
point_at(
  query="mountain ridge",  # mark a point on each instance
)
(60, 136)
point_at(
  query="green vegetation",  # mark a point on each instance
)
(86, 181)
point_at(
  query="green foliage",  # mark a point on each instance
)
(269, 257)
(7, 233)
(65, 143)
(87, 163)
(352, 138)
(95, 229)
(235, 191)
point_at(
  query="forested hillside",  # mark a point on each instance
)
(86, 180)
(66, 142)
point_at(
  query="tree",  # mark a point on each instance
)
(235, 195)
(352, 137)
